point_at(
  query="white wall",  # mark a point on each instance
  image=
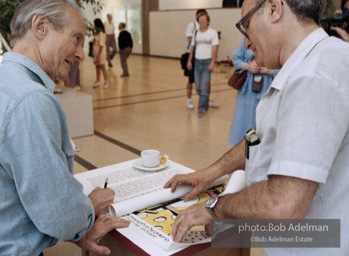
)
(167, 28)
(128, 11)
(118, 3)
(185, 4)
(167, 31)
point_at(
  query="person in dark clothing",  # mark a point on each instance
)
(125, 47)
(342, 32)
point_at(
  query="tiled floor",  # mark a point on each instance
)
(147, 111)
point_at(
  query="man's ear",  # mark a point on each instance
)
(275, 10)
(40, 26)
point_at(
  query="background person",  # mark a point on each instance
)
(73, 81)
(41, 201)
(125, 46)
(300, 167)
(248, 96)
(345, 5)
(345, 12)
(342, 33)
(99, 53)
(189, 35)
(206, 49)
(110, 40)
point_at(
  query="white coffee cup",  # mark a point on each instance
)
(150, 158)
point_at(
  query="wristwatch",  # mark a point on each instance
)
(211, 204)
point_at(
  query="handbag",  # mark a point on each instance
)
(90, 49)
(185, 56)
(184, 60)
(237, 80)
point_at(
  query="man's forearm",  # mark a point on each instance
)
(280, 197)
(191, 53)
(189, 40)
(231, 161)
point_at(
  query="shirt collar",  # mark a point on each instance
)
(298, 56)
(32, 66)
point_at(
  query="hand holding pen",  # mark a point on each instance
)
(101, 198)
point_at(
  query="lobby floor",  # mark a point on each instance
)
(148, 111)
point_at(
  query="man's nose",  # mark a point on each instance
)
(80, 55)
(247, 44)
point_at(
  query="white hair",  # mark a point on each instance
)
(54, 10)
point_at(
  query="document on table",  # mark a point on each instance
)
(136, 190)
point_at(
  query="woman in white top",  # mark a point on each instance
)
(205, 44)
(100, 53)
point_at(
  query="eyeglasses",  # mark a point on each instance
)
(239, 25)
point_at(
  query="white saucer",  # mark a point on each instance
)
(137, 164)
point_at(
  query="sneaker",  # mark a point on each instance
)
(105, 85)
(213, 104)
(96, 84)
(200, 113)
(190, 104)
(124, 75)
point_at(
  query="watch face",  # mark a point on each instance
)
(210, 201)
(210, 204)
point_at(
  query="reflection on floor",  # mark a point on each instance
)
(148, 111)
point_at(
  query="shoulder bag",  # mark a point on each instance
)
(185, 56)
(237, 80)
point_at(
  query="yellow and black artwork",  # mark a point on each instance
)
(162, 216)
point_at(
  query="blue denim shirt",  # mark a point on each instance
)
(40, 200)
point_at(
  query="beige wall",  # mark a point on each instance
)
(163, 31)
(167, 31)
(185, 4)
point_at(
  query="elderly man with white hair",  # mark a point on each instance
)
(41, 201)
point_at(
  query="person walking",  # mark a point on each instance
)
(125, 46)
(205, 44)
(110, 40)
(189, 35)
(99, 53)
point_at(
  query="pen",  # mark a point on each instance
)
(106, 182)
